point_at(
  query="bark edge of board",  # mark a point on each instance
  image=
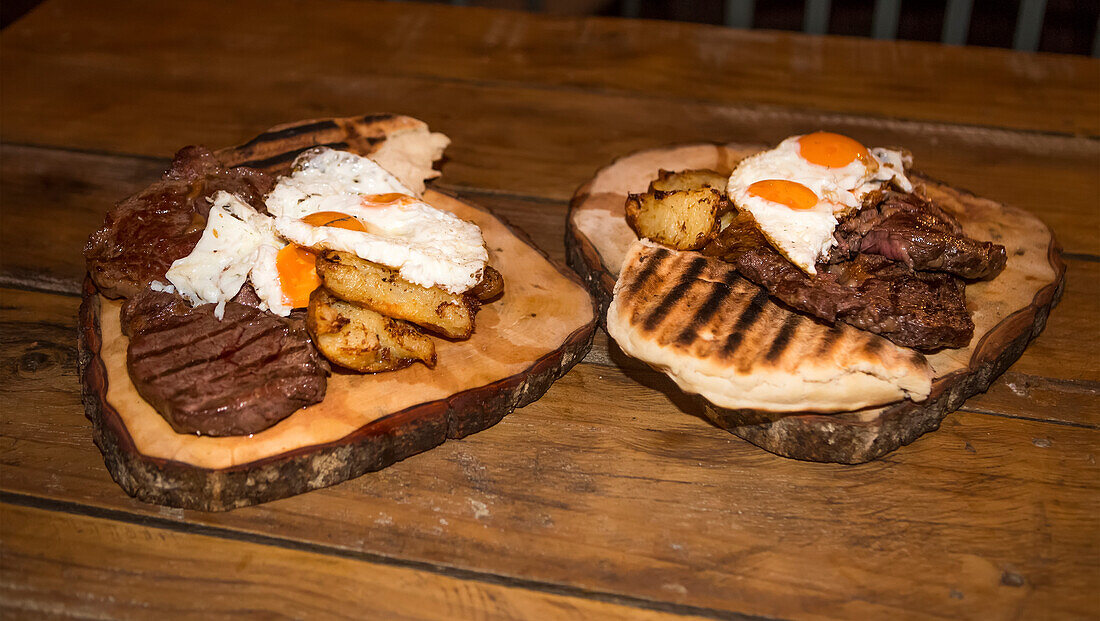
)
(379, 444)
(849, 437)
(375, 445)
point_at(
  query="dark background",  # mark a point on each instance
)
(1069, 26)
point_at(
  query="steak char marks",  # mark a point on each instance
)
(142, 235)
(910, 229)
(922, 310)
(234, 376)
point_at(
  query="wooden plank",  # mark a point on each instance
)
(340, 45)
(69, 191)
(607, 485)
(75, 566)
(1053, 178)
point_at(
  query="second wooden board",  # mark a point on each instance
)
(1008, 311)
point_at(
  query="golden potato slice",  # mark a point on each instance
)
(380, 289)
(362, 340)
(681, 219)
(491, 285)
(668, 181)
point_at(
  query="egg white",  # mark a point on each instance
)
(266, 281)
(801, 235)
(428, 246)
(845, 187)
(325, 179)
(225, 255)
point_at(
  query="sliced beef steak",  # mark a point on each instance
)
(907, 228)
(922, 310)
(142, 235)
(234, 376)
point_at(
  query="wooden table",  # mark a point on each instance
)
(604, 499)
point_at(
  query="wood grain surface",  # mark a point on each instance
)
(182, 574)
(610, 495)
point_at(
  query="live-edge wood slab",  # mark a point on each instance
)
(1008, 311)
(541, 326)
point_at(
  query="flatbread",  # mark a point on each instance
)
(409, 150)
(402, 145)
(717, 335)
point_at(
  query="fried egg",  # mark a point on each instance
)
(332, 200)
(392, 227)
(228, 251)
(796, 191)
(837, 168)
(792, 218)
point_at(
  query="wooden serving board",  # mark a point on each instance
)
(1008, 311)
(533, 334)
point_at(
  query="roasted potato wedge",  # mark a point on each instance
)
(491, 285)
(362, 340)
(681, 219)
(380, 289)
(668, 181)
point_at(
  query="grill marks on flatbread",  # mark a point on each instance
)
(686, 301)
(687, 314)
(674, 296)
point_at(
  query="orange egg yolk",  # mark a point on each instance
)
(334, 219)
(297, 274)
(831, 150)
(298, 266)
(789, 193)
(387, 200)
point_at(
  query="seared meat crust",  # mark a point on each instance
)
(142, 235)
(926, 311)
(234, 376)
(907, 228)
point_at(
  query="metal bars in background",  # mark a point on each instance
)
(1096, 40)
(884, 20)
(739, 13)
(956, 21)
(815, 19)
(1029, 25)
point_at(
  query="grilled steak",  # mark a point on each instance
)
(922, 310)
(926, 311)
(142, 235)
(907, 228)
(235, 376)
